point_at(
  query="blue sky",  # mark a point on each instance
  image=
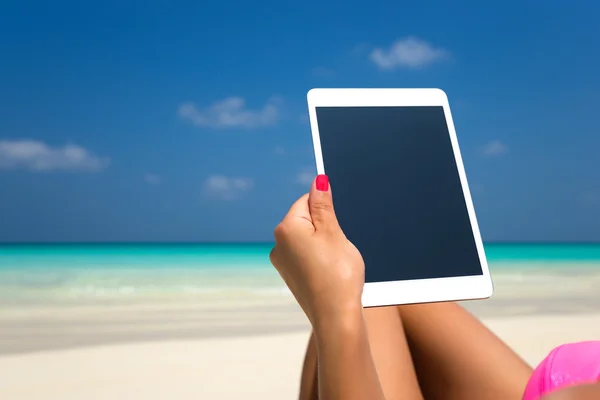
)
(186, 120)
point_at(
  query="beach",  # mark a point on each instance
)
(249, 364)
(113, 330)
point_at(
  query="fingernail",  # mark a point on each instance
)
(322, 183)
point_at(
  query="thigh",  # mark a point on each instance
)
(390, 353)
(457, 357)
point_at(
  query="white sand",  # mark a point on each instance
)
(259, 367)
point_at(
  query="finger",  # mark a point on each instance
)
(320, 203)
(300, 209)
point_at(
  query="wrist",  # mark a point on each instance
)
(345, 318)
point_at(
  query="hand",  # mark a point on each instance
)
(324, 271)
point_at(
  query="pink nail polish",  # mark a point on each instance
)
(322, 183)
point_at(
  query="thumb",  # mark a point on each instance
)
(320, 203)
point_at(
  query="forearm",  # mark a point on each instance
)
(346, 369)
(309, 388)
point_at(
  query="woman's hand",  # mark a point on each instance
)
(324, 271)
(326, 274)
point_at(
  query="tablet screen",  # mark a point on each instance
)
(397, 192)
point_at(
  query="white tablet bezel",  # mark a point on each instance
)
(421, 290)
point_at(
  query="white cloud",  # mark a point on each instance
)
(322, 72)
(230, 113)
(306, 177)
(152, 179)
(410, 52)
(227, 188)
(495, 148)
(37, 156)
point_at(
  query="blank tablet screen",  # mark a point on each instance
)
(397, 192)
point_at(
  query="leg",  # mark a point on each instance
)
(457, 357)
(390, 353)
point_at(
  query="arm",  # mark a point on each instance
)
(346, 369)
(326, 274)
(309, 388)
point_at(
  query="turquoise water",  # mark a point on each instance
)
(223, 253)
(560, 252)
(231, 256)
(66, 272)
(147, 256)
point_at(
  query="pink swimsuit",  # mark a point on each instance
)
(567, 365)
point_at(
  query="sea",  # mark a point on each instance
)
(220, 274)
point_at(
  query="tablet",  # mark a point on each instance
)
(400, 193)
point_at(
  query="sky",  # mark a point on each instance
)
(165, 120)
